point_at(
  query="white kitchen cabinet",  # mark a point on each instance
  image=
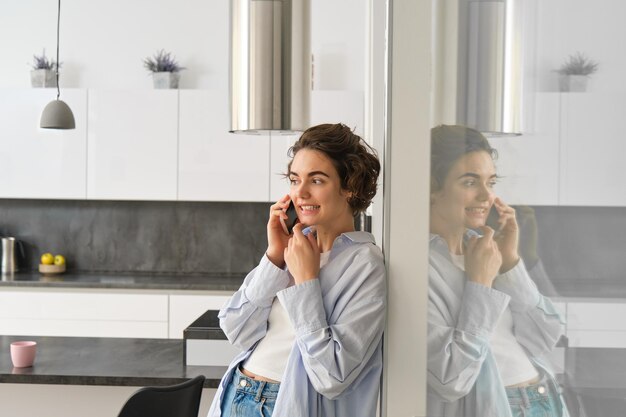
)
(596, 324)
(41, 163)
(103, 313)
(214, 164)
(184, 309)
(88, 314)
(132, 144)
(280, 144)
(592, 149)
(529, 164)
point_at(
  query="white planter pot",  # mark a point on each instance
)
(573, 83)
(41, 78)
(165, 79)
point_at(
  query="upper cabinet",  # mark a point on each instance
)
(572, 154)
(214, 164)
(592, 149)
(132, 144)
(41, 163)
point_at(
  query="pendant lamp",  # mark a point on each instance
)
(57, 114)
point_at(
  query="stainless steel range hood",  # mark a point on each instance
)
(482, 45)
(270, 65)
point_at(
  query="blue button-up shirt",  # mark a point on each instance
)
(463, 377)
(335, 364)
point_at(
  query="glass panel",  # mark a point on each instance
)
(527, 247)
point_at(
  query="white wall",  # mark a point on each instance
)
(593, 27)
(103, 42)
(407, 185)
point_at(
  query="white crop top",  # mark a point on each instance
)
(511, 359)
(269, 358)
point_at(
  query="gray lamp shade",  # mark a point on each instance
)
(57, 115)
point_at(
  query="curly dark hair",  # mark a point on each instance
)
(356, 161)
(448, 143)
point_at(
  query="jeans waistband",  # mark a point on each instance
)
(257, 388)
(541, 389)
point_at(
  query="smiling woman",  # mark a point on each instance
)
(309, 318)
(488, 323)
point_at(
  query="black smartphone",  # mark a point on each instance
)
(292, 218)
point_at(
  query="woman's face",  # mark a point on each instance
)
(316, 190)
(467, 193)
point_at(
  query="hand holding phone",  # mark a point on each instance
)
(291, 220)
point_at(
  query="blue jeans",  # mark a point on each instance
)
(245, 397)
(542, 399)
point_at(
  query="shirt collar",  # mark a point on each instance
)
(349, 237)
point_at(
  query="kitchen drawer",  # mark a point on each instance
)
(83, 306)
(596, 316)
(596, 338)
(84, 328)
(83, 314)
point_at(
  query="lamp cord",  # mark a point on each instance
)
(58, 25)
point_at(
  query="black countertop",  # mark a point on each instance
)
(154, 281)
(104, 361)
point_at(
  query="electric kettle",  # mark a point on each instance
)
(8, 265)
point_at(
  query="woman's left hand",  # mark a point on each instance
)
(302, 255)
(507, 235)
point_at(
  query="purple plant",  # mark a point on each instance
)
(578, 64)
(42, 62)
(162, 62)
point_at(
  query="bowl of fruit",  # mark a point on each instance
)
(52, 264)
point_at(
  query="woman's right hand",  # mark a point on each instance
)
(277, 239)
(482, 258)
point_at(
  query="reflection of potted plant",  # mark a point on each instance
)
(575, 72)
(43, 73)
(165, 70)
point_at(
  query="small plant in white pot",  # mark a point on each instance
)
(575, 72)
(43, 73)
(164, 68)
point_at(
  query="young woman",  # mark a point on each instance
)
(309, 318)
(488, 323)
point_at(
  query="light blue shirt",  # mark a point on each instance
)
(463, 378)
(335, 365)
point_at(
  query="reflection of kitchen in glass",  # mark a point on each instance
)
(565, 172)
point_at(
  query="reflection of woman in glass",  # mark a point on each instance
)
(309, 318)
(488, 323)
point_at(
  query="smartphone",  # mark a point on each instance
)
(291, 220)
(492, 221)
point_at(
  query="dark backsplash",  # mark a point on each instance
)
(139, 236)
(583, 243)
(583, 249)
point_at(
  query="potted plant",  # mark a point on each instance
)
(575, 72)
(164, 68)
(43, 73)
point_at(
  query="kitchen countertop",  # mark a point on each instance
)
(104, 361)
(208, 282)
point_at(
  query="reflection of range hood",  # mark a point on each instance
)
(270, 65)
(489, 66)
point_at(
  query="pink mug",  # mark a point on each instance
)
(23, 353)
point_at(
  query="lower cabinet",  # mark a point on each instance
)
(100, 313)
(596, 324)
